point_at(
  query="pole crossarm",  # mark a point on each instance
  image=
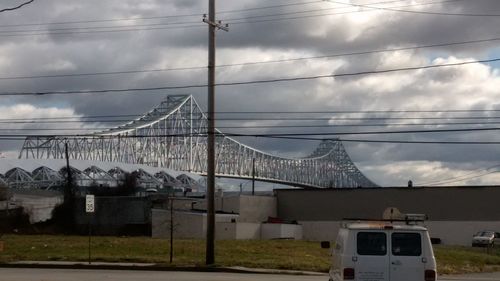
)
(173, 135)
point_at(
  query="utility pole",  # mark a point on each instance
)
(253, 176)
(171, 201)
(68, 194)
(212, 26)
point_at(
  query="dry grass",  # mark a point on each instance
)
(275, 254)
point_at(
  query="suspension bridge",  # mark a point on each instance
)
(173, 136)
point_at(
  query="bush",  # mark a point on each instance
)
(4, 192)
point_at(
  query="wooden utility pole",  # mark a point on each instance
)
(212, 26)
(68, 192)
(253, 176)
(171, 256)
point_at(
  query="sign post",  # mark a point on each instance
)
(90, 209)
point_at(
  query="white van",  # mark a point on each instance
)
(383, 251)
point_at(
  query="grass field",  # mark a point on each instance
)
(275, 254)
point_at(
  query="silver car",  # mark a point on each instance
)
(484, 239)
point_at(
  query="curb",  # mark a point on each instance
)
(152, 267)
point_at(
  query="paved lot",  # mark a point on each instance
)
(16, 274)
(9, 274)
(473, 277)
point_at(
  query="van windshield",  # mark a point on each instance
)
(406, 244)
(372, 243)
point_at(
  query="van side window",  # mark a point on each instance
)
(406, 244)
(372, 243)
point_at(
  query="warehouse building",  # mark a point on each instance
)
(454, 213)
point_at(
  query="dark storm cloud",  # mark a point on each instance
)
(467, 87)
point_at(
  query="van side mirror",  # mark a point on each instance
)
(325, 244)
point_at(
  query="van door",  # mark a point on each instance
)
(372, 259)
(406, 256)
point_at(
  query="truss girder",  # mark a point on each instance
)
(173, 136)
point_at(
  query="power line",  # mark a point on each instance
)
(68, 119)
(15, 33)
(318, 133)
(200, 14)
(335, 8)
(422, 142)
(464, 179)
(246, 21)
(356, 118)
(17, 7)
(102, 31)
(473, 173)
(270, 7)
(251, 63)
(303, 78)
(55, 30)
(360, 111)
(236, 127)
(275, 112)
(416, 12)
(367, 132)
(366, 52)
(288, 137)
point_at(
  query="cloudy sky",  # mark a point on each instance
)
(55, 45)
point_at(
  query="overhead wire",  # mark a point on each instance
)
(415, 12)
(246, 127)
(323, 133)
(294, 119)
(16, 7)
(16, 33)
(200, 14)
(390, 111)
(264, 81)
(288, 137)
(464, 179)
(472, 173)
(250, 21)
(251, 63)
(231, 20)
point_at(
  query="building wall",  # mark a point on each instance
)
(257, 208)
(250, 208)
(455, 213)
(38, 207)
(281, 231)
(440, 204)
(242, 218)
(189, 225)
(238, 231)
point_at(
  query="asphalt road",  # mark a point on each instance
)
(13, 274)
(10, 274)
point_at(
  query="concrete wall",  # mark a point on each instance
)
(250, 208)
(238, 231)
(38, 207)
(189, 225)
(281, 231)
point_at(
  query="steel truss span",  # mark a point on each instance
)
(173, 136)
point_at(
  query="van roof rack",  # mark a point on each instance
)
(408, 219)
